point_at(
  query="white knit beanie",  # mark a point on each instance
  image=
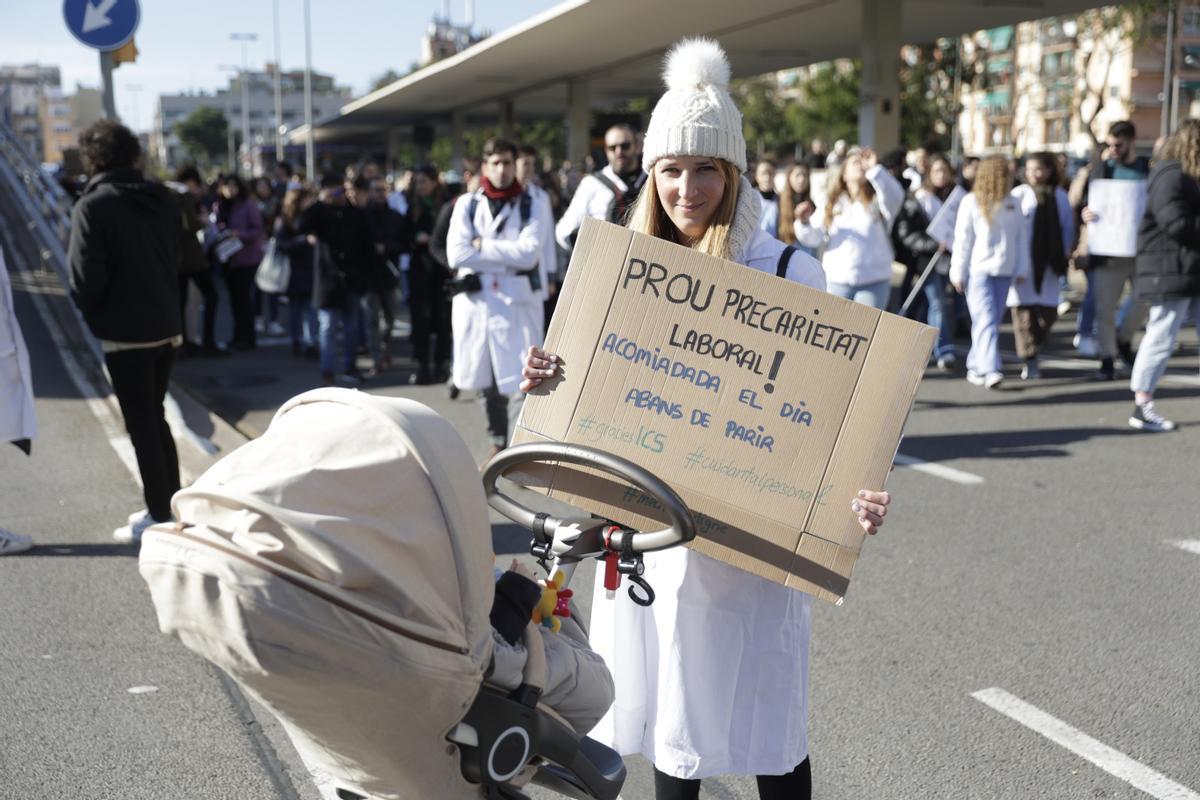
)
(696, 116)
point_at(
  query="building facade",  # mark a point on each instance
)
(260, 86)
(1041, 85)
(21, 87)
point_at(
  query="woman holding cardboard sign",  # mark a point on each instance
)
(739, 706)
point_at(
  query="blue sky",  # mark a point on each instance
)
(183, 42)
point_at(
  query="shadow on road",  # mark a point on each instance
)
(89, 550)
(1032, 443)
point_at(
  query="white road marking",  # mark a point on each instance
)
(142, 689)
(1190, 545)
(938, 470)
(1106, 758)
(1091, 364)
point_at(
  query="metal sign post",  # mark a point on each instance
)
(105, 25)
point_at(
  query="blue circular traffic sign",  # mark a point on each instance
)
(102, 24)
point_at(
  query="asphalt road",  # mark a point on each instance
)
(1041, 564)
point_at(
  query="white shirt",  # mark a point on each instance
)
(996, 248)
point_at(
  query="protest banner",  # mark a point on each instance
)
(1119, 205)
(941, 227)
(766, 404)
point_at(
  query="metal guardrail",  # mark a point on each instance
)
(46, 213)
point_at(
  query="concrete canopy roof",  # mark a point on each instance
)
(618, 45)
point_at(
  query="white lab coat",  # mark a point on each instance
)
(17, 420)
(592, 199)
(1025, 293)
(713, 677)
(494, 327)
(548, 258)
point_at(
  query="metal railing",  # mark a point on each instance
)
(45, 209)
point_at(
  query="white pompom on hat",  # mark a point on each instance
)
(696, 116)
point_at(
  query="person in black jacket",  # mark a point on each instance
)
(124, 258)
(389, 229)
(1168, 267)
(342, 237)
(428, 307)
(302, 316)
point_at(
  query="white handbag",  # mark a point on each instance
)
(274, 271)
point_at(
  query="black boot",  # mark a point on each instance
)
(1125, 350)
(1106, 371)
(421, 377)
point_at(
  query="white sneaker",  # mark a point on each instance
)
(1145, 418)
(1030, 371)
(132, 533)
(974, 378)
(275, 329)
(1087, 346)
(948, 361)
(1064, 307)
(13, 542)
(993, 379)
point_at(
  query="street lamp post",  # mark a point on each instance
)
(309, 159)
(278, 92)
(244, 38)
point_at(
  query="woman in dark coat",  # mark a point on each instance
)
(1168, 267)
(238, 212)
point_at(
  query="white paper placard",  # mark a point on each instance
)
(1119, 206)
(941, 227)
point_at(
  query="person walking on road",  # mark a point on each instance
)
(428, 309)
(494, 244)
(609, 193)
(991, 252)
(340, 233)
(1168, 267)
(194, 266)
(124, 259)
(543, 207)
(18, 424)
(690, 704)
(855, 228)
(1109, 274)
(1051, 223)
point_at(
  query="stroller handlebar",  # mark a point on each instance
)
(681, 529)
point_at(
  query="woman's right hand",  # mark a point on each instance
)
(539, 365)
(803, 212)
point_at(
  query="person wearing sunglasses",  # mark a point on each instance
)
(610, 193)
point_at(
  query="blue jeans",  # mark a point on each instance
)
(1162, 329)
(302, 315)
(936, 316)
(1085, 325)
(875, 295)
(985, 300)
(327, 324)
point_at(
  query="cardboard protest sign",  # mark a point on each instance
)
(764, 403)
(1119, 205)
(941, 227)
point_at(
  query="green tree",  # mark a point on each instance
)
(391, 76)
(204, 134)
(764, 120)
(828, 105)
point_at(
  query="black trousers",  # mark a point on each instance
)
(429, 312)
(796, 785)
(240, 281)
(208, 291)
(140, 379)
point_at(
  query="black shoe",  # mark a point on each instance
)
(244, 345)
(189, 349)
(454, 391)
(1125, 350)
(1106, 371)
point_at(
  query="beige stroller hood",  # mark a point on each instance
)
(340, 569)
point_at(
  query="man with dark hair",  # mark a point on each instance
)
(610, 193)
(494, 245)
(527, 176)
(1110, 274)
(124, 258)
(343, 238)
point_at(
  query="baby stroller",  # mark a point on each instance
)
(339, 568)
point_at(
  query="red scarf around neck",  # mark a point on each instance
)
(492, 193)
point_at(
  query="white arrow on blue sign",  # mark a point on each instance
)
(102, 24)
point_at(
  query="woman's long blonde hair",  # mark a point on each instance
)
(649, 217)
(838, 187)
(992, 185)
(788, 202)
(1184, 147)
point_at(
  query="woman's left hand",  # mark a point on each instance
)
(871, 508)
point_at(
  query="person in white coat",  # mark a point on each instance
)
(713, 678)
(17, 421)
(990, 254)
(495, 245)
(548, 260)
(1051, 227)
(610, 193)
(855, 227)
